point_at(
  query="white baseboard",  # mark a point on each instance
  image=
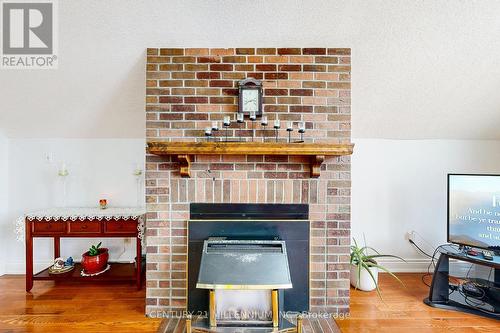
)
(420, 266)
(20, 267)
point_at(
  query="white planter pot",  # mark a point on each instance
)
(365, 282)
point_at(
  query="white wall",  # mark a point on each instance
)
(400, 185)
(421, 69)
(97, 168)
(4, 226)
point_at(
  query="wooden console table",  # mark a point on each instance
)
(85, 222)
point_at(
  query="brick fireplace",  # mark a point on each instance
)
(187, 89)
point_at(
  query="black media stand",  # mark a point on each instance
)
(444, 295)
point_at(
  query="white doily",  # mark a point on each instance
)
(82, 214)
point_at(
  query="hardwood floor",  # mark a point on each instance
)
(72, 308)
(404, 311)
(120, 308)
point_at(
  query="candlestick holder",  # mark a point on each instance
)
(276, 128)
(226, 124)
(263, 123)
(302, 130)
(215, 128)
(239, 120)
(289, 130)
(208, 133)
(253, 117)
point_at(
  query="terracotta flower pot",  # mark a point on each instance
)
(95, 264)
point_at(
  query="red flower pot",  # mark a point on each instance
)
(95, 264)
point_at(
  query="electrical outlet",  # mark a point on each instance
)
(410, 235)
(49, 158)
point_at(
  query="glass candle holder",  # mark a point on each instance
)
(240, 119)
(215, 128)
(208, 133)
(276, 128)
(289, 129)
(226, 123)
(263, 123)
(302, 130)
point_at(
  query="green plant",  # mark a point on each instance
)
(362, 260)
(94, 250)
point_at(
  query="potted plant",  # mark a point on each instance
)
(95, 259)
(364, 268)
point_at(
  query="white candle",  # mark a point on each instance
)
(289, 126)
(239, 117)
(302, 126)
(252, 115)
(227, 122)
(215, 126)
(263, 121)
(208, 131)
(276, 123)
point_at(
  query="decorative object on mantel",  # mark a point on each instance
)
(302, 130)
(95, 259)
(250, 96)
(289, 129)
(239, 120)
(184, 151)
(253, 118)
(103, 203)
(263, 123)
(276, 128)
(215, 128)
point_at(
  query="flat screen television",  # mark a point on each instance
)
(474, 210)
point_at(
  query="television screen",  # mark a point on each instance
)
(474, 210)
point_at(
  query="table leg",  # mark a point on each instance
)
(138, 261)
(29, 256)
(57, 247)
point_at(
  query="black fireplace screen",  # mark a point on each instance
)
(283, 222)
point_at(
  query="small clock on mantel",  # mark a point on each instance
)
(250, 96)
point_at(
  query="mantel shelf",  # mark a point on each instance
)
(185, 150)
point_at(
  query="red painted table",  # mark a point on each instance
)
(85, 222)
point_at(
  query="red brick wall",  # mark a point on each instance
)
(186, 89)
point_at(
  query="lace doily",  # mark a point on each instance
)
(82, 214)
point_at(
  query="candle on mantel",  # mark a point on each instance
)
(302, 127)
(215, 126)
(208, 131)
(276, 124)
(227, 121)
(253, 116)
(263, 121)
(289, 126)
(239, 118)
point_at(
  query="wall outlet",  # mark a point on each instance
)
(410, 235)
(49, 158)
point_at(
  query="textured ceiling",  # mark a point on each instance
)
(421, 69)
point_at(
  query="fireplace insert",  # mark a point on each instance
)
(240, 270)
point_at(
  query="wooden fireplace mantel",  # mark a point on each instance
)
(185, 150)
